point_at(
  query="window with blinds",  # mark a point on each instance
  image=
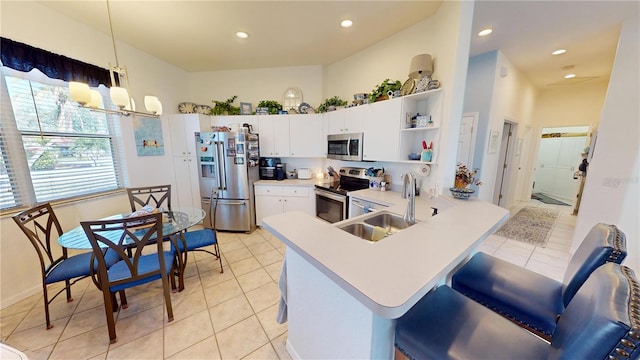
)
(51, 148)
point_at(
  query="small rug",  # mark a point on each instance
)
(531, 225)
(547, 200)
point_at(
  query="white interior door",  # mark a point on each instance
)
(557, 161)
(547, 163)
(467, 139)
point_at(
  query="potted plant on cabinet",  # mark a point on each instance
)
(225, 107)
(331, 103)
(381, 91)
(272, 106)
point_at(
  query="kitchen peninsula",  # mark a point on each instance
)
(343, 292)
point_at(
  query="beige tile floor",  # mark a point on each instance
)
(218, 316)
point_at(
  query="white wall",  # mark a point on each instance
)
(254, 85)
(498, 91)
(611, 190)
(571, 105)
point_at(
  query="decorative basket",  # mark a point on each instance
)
(461, 193)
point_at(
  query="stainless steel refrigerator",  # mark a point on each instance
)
(228, 165)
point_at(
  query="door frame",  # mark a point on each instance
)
(501, 193)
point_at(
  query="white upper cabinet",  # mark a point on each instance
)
(345, 120)
(381, 125)
(305, 135)
(183, 128)
(274, 135)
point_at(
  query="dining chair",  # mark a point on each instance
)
(199, 240)
(119, 235)
(41, 226)
(158, 196)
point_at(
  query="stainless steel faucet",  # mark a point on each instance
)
(410, 182)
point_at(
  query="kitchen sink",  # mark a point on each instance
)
(392, 223)
(360, 230)
(376, 227)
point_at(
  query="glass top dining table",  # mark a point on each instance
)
(174, 221)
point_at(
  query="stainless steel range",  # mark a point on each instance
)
(331, 199)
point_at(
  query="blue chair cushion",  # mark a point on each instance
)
(601, 322)
(197, 239)
(517, 293)
(146, 263)
(604, 243)
(447, 325)
(77, 266)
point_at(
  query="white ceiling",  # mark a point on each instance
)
(199, 35)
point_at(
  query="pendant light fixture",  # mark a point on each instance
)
(120, 90)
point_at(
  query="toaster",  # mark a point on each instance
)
(304, 174)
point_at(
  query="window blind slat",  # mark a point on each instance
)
(56, 149)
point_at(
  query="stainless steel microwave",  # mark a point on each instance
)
(345, 146)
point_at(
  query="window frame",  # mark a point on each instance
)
(12, 147)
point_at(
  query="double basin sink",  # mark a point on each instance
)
(377, 226)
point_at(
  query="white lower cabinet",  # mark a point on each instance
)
(274, 199)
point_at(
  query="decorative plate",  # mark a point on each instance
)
(408, 86)
(203, 109)
(305, 108)
(186, 108)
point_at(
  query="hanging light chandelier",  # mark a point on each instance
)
(119, 91)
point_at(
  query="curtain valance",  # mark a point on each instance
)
(23, 57)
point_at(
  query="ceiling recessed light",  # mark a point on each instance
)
(485, 32)
(559, 51)
(242, 35)
(570, 76)
(346, 23)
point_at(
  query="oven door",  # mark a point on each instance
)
(330, 206)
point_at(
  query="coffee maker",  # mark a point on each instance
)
(281, 171)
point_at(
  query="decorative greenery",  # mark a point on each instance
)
(383, 89)
(225, 107)
(274, 106)
(465, 177)
(334, 101)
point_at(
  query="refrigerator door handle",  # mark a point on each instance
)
(232, 203)
(220, 157)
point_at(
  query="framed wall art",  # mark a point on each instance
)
(245, 108)
(148, 136)
(494, 141)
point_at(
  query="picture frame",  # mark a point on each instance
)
(494, 140)
(246, 108)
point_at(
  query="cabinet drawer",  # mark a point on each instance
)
(296, 191)
(268, 190)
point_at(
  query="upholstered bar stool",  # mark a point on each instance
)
(531, 300)
(601, 322)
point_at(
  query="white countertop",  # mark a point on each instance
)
(293, 182)
(391, 275)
